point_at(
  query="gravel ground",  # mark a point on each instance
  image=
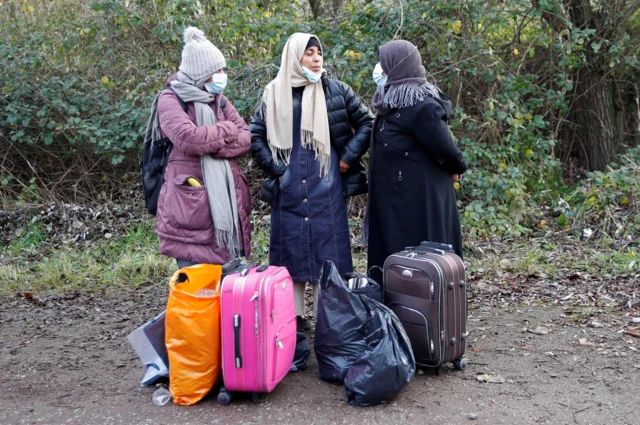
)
(65, 359)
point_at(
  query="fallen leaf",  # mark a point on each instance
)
(483, 377)
(540, 330)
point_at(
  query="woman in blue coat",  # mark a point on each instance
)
(308, 136)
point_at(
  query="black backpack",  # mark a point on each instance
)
(155, 157)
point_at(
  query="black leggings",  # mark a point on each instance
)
(185, 263)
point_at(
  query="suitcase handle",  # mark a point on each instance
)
(236, 340)
(262, 268)
(249, 267)
(437, 245)
(374, 268)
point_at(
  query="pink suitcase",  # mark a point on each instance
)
(258, 330)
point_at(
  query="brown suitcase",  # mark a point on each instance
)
(425, 286)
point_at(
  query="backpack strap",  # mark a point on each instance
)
(223, 102)
(182, 104)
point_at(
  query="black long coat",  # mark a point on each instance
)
(411, 193)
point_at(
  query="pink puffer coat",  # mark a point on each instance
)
(183, 220)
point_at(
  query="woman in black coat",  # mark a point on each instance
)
(308, 136)
(414, 161)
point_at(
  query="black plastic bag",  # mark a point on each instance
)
(384, 370)
(303, 351)
(341, 315)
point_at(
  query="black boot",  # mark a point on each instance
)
(303, 324)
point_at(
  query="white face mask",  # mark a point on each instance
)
(218, 83)
(380, 79)
(311, 76)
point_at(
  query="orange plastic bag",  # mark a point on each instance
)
(192, 333)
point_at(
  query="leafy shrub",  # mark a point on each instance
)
(607, 202)
(79, 77)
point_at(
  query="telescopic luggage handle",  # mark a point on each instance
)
(231, 265)
(426, 249)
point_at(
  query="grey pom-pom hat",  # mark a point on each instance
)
(200, 58)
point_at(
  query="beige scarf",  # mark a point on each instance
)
(278, 108)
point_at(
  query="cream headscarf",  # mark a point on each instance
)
(278, 107)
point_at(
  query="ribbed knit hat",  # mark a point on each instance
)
(200, 58)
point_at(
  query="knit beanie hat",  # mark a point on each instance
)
(200, 58)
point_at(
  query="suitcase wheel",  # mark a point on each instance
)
(438, 371)
(460, 364)
(255, 398)
(224, 397)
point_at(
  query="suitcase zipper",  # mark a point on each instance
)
(412, 255)
(426, 326)
(408, 273)
(255, 326)
(264, 286)
(273, 302)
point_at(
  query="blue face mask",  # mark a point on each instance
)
(311, 76)
(218, 84)
(380, 79)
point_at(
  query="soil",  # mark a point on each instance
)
(66, 359)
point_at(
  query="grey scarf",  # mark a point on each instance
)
(217, 174)
(406, 84)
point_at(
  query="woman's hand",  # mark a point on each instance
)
(344, 167)
(457, 177)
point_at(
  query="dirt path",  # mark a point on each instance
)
(66, 360)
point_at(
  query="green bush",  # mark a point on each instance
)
(605, 202)
(80, 77)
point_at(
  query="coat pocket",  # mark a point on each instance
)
(189, 206)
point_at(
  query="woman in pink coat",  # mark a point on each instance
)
(204, 204)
